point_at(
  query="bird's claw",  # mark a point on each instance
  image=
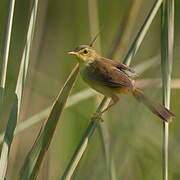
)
(97, 115)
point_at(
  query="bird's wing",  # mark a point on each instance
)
(109, 75)
(119, 65)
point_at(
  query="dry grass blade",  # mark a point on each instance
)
(9, 134)
(167, 46)
(35, 157)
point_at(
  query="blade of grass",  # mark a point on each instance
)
(167, 46)
(6, 44)
(120, 42)
(94, 22)
(83, 143)
(9, 134)
(3, 66)
(105, 141)
(128, 24)
(142, 67)
(44, 113)
(135, 46)
(5, 50)
(142, 32)
(35, 157)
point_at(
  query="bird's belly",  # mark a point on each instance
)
(98, 86)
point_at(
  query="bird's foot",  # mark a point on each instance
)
(97, 115)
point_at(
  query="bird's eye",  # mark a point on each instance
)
(85, 51)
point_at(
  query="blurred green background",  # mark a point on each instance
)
(135, 133)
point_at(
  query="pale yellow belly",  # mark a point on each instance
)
(105, 90)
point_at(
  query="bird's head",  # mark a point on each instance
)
(84, 53)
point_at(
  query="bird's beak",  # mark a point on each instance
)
(72, 53)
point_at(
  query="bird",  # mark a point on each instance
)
(110, 78)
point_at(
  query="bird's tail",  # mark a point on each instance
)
(154, 106)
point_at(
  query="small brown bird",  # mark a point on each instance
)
(110, 78)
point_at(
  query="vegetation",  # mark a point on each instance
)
(41, 140)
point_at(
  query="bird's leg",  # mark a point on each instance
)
(115, 99)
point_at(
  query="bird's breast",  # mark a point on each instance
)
(89, 76)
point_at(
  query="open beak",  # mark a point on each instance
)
(72, 53)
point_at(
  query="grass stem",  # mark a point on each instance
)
(167, 46)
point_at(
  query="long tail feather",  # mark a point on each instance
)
(154, 106)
